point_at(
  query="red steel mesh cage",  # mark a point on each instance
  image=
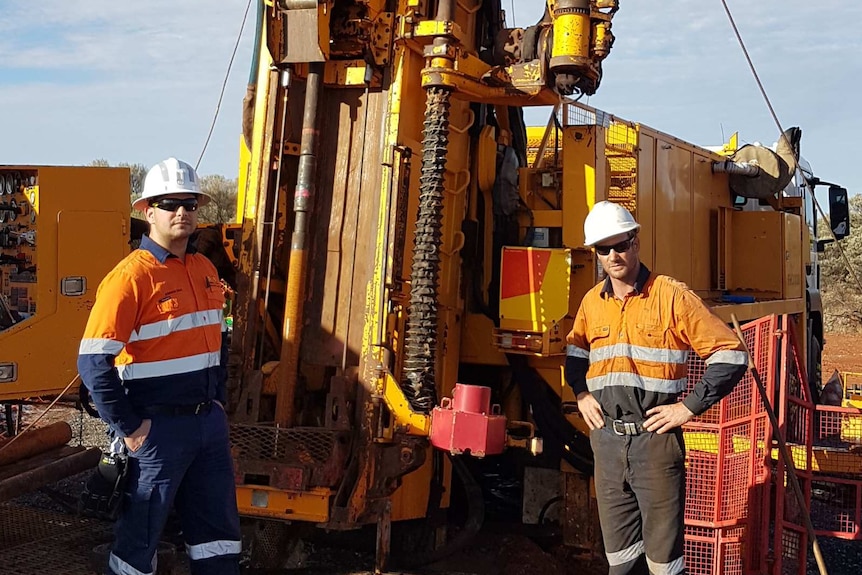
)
(727, 468)
(836, 488)
(836, 505)
(713, 551)
(795, 423)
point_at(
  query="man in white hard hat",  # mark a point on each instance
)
(153, 358)
(627, 365)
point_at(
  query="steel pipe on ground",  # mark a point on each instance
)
(36, 441)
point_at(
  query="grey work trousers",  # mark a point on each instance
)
(640, 488)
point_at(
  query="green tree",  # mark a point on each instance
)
(222, 208)
(137, 177)
(842, 296)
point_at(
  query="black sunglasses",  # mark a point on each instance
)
(620, 248)
(173, 204)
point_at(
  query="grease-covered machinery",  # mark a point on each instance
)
(402, 231)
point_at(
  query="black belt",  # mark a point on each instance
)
(621, 427)
(193, 409)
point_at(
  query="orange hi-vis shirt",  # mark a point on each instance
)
(632, 354)
(156, 336)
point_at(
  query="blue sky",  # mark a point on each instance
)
(139, 81)
(676, 66)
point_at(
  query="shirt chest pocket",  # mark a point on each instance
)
(599, 333)
(214, 292)
(650, 325)
(654, 334)
(215, 298)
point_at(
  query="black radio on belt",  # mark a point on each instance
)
(103, 494)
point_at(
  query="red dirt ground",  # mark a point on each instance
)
(842, 352)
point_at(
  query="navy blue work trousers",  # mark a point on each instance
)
(640, 491)
(184, 461)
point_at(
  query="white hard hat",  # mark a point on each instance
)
(171, 176)
(607, 220)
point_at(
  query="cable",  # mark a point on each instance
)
(751, 66)
(781, 131)
(224, 85)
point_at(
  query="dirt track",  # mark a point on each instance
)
(842, 352)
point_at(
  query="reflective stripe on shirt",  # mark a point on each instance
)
(210, 317)
(100, 346)
(575, 351)
(143, 370)
(624, 379)
(637, 353)
(727, 356)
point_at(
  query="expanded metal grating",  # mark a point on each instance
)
(33, 541)
(307, 445)
(36, 542)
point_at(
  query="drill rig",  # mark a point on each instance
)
(348, 330)
(428, 242)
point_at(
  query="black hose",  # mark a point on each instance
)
(472, 525)
(557, 432)
(546, 507)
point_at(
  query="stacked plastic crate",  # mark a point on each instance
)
(727, 469)
(836, 494)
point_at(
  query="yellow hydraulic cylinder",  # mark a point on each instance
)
(572, 29)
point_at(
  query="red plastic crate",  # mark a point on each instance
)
(711, 551)
(836, 507)
(728, 484)
(723, 465)
(744, 401)
(794, 552)
(838, 426)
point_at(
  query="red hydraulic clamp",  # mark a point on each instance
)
(468, 423)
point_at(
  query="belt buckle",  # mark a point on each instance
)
(199, 407)
(621, 427)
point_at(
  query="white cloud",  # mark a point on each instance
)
(677, 66)
(125, 81)
(137, 81)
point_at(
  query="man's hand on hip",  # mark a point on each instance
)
(667, 417)
(590, 410)
(136, 440)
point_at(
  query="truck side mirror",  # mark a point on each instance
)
(839, 212)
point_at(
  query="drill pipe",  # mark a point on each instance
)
(303, 201)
